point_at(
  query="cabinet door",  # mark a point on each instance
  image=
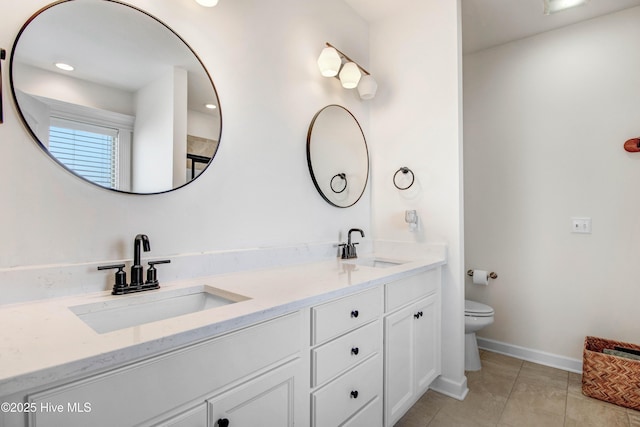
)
(427, 342)
(196, 417)
(267, 401)
(412, 355)
(399, 375)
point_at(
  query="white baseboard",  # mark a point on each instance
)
(457, 390)
(528, 354)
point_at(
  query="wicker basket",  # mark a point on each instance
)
(610, 378)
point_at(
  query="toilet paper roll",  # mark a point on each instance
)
(480, 277)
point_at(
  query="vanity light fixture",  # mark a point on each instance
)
(64, 67)
(351, 75)
(553, 6)
(207, 3)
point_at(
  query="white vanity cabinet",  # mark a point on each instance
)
(346, 361)
(183, 387)
(362, 359)
(412, 341)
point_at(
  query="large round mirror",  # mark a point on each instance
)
(115, 96)
(337, 155)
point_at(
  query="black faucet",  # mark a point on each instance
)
(349, 249)
(136, 268)
(120, 286)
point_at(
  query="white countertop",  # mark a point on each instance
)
(44, 341)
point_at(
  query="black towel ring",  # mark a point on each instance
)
(405, 170)
(344, 178)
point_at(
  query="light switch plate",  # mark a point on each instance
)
(581, 225)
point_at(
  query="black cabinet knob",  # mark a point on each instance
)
(355, 351)
(420, 313)
(223, 422)
(354, 394)
(417, 315)
(355, 313)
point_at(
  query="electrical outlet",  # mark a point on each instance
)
(581, 225)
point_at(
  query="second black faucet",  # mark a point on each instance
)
(349, 249)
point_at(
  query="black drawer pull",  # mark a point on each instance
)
(223, 422)
(354, 394)
(355, 351)
(355, 313)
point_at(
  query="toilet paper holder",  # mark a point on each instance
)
(492, 275)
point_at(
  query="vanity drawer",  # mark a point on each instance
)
(369, 416)
(342, 353)
(342, 398)
(410, 289)
(334, 318)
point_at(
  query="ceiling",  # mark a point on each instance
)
(119, 47)
(488, 23)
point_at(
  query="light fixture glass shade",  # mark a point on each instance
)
(207, 3)
(367, 87)
(350, 75)
(553, 6)
(329, 62)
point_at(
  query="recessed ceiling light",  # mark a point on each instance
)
(63, 66)
(553, 6)
(207, 3)
(210, 106)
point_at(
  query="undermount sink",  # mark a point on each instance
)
(132, 310)
(376, 262)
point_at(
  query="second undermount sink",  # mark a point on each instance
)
(126, 311)
(376, 262)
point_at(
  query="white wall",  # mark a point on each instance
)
(415, 122)
(179, 127)
(257, 192)
(203, 125)
(545, 119)
(52, 85)
(153, 152)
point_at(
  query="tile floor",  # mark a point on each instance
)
(509, 392)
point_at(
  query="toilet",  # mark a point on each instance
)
(476, 317)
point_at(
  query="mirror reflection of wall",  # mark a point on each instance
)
(121, 118)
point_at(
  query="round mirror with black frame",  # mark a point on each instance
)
(115, 96)
(337, 156)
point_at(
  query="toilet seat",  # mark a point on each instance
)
(477, 309)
